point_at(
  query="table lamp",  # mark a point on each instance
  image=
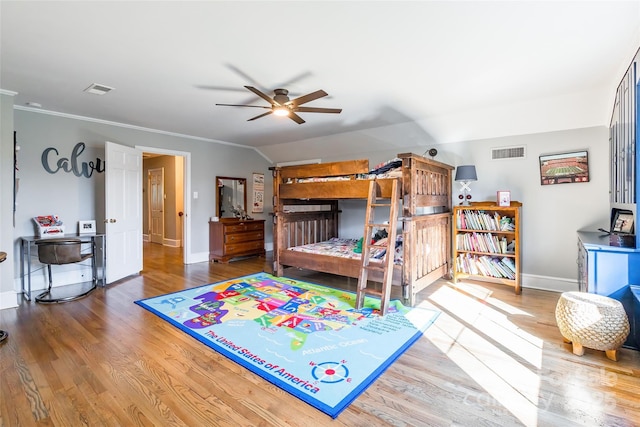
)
(464, 175)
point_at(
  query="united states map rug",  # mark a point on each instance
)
(305, 338)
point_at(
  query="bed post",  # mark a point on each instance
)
(409, 230)
(426, 183)
(277, 233)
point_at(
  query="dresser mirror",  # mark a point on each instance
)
(232, 197)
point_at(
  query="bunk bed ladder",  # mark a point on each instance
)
(386, 266)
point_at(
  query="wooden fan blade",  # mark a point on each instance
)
(307, 98)
(243, 105)
(261, 115)
(262, 95)
(318, 110)
(296, 118)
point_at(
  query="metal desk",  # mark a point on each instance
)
(27, 242)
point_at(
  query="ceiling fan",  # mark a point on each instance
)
(281, 105)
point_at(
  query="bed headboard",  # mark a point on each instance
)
(425, 183)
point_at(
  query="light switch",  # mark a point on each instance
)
(195, 194)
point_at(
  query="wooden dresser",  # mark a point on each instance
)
(230, 238)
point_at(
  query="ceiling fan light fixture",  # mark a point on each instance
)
(281, 105)
(281, 111)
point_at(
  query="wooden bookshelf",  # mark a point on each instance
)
(486, 243)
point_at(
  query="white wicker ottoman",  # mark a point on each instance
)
(592, 321)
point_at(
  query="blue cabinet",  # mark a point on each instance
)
(624, 163)
(605, 269)
(611, 271)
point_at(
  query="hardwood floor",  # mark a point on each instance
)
(492, 358)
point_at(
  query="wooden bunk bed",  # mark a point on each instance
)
(305, 203)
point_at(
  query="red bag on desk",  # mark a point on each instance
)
(48, 225)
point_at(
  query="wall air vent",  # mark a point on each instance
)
(504, 153)
(97, 89)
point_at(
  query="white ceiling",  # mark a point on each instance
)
(455, 70)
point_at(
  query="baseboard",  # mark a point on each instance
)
(199, 257)
(204, 256)
(546, 283)
(174, 243)
(63, 275)
(9, 299)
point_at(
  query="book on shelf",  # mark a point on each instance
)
(506, 224)
(468, 219)
(509, 263)
(486, 265)
(504, 271)
(479, 242)
(503, 245)
(482, 242)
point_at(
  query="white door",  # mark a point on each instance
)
(156, 205)
(123, 211)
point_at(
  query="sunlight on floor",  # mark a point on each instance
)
(485, 295)
(503, 359)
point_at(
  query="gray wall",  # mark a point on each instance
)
(76, 198)
(551, 214)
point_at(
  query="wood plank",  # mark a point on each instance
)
(348, 167)
(329, 264)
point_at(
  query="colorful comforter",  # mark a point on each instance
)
(344, 248)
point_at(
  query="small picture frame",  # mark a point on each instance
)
(504, 198)
(623, 223)
(87, 227)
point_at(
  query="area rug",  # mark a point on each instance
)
(305, 338)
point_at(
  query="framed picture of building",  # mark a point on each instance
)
(564, 168)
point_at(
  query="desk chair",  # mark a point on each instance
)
(59, 251)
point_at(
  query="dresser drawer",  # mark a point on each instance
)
(244, 237)
(235, 238)
(243, 226)
(240, 248)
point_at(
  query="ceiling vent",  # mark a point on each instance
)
(97, 89)
(504, 153)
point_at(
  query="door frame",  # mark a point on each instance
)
(187, 256)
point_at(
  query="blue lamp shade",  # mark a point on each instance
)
(466, 173)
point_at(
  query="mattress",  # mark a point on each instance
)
(345, 248)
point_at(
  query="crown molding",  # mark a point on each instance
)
(134, 127)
